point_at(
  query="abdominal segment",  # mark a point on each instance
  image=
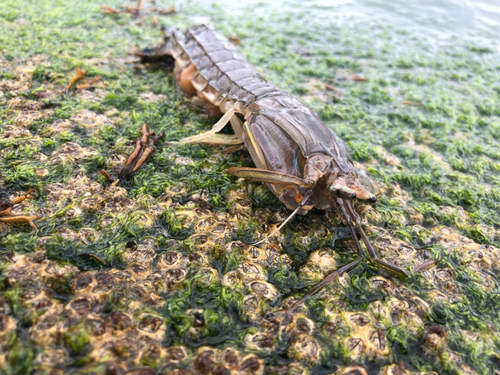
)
(210, 67)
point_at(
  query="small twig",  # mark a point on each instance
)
(337, 91)
(148, 150)
(6, 212)
(130, 10)
(80, 74)
(23, 197)
(106, 174)
(109, 10)
(100, 260)
(133, 155)
(167, 11)
(355, 77)
(6, 216)
(407, 102)
(9, 206)
(144, 147)
(21, 219)
(158, 137)
(145, 133)
(135, 11)
(90, 83)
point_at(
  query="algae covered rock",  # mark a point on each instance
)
(162, 274)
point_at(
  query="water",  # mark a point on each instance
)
(477, 21)
(480, 19)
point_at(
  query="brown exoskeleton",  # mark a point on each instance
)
(304, 163)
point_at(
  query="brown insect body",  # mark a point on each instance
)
(304, 163)
(288, 137)
(281, 134)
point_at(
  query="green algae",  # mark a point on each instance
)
(447, 148)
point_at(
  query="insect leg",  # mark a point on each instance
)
(424, 265)
(205, 137)
(327, 280)
(272, 177)
(222, 139)
(347, 219)
(231, 149)
(373, 255)
(237, 126)
(341, 233)
(335, 274)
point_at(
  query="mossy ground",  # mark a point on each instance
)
(181, 274)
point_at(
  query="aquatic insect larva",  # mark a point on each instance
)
(304, 163)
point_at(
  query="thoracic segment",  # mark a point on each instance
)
(216, 70)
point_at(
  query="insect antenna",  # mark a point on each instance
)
(346, 217)
(301, 204)
(280, 226)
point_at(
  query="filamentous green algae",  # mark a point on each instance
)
(159, 275)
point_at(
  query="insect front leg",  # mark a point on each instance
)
(346, 217)
(272, 177)
(371, 252)
(211, 136)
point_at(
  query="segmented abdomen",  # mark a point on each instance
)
(222, 72)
